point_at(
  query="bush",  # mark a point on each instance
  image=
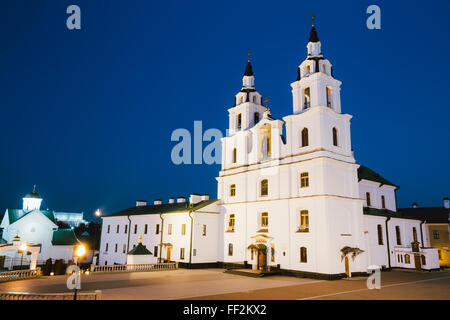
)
(47, 267)
(59, 267)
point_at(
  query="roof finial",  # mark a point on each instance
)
(267, 103)
(312, 19)
(34, 188)
(249, 54)
(140, 239)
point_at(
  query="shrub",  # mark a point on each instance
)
(59, 267)
(47, 267)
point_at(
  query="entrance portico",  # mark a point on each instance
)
(18, 246)
(259, 253)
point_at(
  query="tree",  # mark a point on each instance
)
(47, 268)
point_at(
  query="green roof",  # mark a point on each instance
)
(162, 208)
(64, 237)
(386, 213)
(17, 214)
(2, 241)
(368, 174)
(140, 249)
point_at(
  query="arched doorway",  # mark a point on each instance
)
(347, 267)
(262, 258)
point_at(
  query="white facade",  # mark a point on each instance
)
(298, 202)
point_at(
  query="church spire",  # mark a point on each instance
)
(248, 68)
(313, 37)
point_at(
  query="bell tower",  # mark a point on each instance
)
(248, 108)
(315, 84)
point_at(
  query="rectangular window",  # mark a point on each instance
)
(183, 229)
(383, 202)
(230, 249)
(135, 228)
(368, 199)
(232, 190)
(157, 229)
(303, 255)
(124, 248)
(169, 229)
(264, 219)
(145, 229)
(194, 252)
(231, 222)
(106, 247)
(304, 179)
(155, 249)
(239, 121)
(126, 228)
(181, 253)
(118, 228)
(436, 234)
(115, 248)
(397, 234)
(107, 230)
(204, 230)
(380, 234)
(304, 221)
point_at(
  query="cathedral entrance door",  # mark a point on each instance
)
(262, 259)
(417, 262)
(168, 254)
(347, 267)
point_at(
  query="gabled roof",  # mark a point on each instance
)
(17, 214)
(386, 213)
(64, 237)
(140, 249)
(429, 214)
(162, 208)
(368, 174)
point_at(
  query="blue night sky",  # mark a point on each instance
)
(88, 115)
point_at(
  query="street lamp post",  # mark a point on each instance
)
(98, 214)
(80, 252)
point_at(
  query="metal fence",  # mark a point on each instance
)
(19, 275)
(96, 295)
(135, 267)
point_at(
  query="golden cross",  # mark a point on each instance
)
(312, 19)
(266, 102)
(249, 54)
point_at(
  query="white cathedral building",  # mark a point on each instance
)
(298, 203)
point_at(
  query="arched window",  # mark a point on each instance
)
(324, 68)
(305, 138)
(234, 155)
(368, 199)
(303, 255)
(328, 94)
(265, 133)
(380, 234)
(230, 249)
(264, 220)
(241, 99)
(232, 190)
(304, 221)
(383, 202)
(264, 187)
(335, 136)
(272, 254)
(414, 234)
(239, 121)
(256, 117)
(397, 234)
(254, 99)
(307, 98)
(304, 180)
(407, 259)
(308, 69)
(424, 261)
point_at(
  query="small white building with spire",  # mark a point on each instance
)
(34, 227)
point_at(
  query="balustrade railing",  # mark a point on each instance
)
(135, 267)
(19, 274)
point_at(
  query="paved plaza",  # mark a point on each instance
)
(213, 284)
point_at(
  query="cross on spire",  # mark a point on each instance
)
(248, 55)
(312, 19)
